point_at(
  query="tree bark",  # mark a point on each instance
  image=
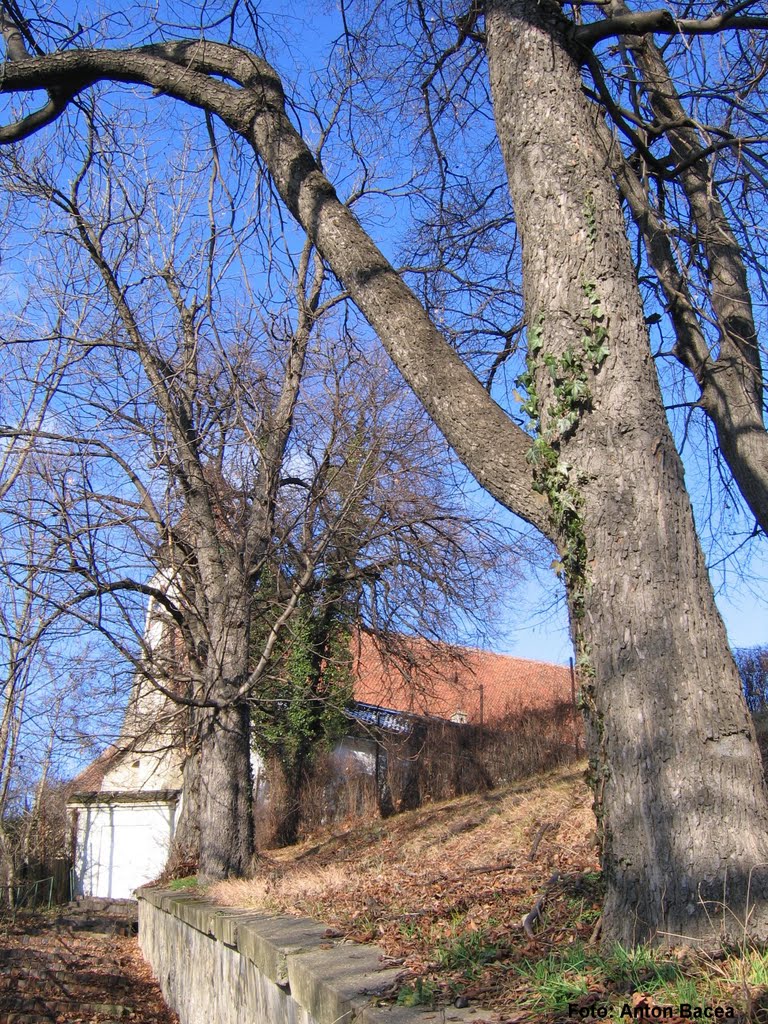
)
(290, 779)
(678, 784)
(185, 850)
(225, 795)
(226, 787)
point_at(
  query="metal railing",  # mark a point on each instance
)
(35, 895)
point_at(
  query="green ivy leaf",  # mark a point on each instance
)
(550, 362)
(567, 422)
(599, 355)
(579, 390)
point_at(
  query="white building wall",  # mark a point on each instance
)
(121, 845)
(355, 754)
(147, 769)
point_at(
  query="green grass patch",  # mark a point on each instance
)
(422, 992)
(190, 882)
(560, 978)
(467, 953)
(584, 976)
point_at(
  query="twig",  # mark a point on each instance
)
(481, 869)
(539, 836)
(535, 913)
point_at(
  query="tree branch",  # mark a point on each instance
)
(487, 441)
(14, 31)
(639, 23)
(731, 382)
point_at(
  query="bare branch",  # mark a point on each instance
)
(458, 403)
(662, 21)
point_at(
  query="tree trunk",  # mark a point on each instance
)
(384, 798)
(226, 790)
(289, 792)
(679, 792)
(185, 851)
(226, 784)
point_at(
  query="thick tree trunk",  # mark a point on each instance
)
(677, 776)
(225, 781)
(226, 791)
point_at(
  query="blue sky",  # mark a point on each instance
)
(538, 625)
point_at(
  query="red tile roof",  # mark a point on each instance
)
(459, 683)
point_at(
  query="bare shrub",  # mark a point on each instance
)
(435, 760)
(760, 718)
(331, 794)
(443, 759)
(532, 741)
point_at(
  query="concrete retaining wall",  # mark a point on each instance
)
(221, 966)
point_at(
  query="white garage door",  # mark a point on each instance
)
(121, 846)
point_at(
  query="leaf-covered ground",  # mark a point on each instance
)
(493, 900)
(54, 971)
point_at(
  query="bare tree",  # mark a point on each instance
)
(408, 555)
(172, 376)
(203, 436)
(20, 642)
(679, 793)
(49, 695)
(753, 666)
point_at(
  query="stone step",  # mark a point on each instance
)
(67, 981)
(70, 970)
(50, 1009)
(63, 991)
(24, 1017)
(99, 927)
(68, 975)
(128, 909)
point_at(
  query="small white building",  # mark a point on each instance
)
(124, 807)
(122, 840)
(123, 812)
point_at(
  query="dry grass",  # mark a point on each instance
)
(454, 836)
(418, 882)
(444, 891)
(291, 892)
